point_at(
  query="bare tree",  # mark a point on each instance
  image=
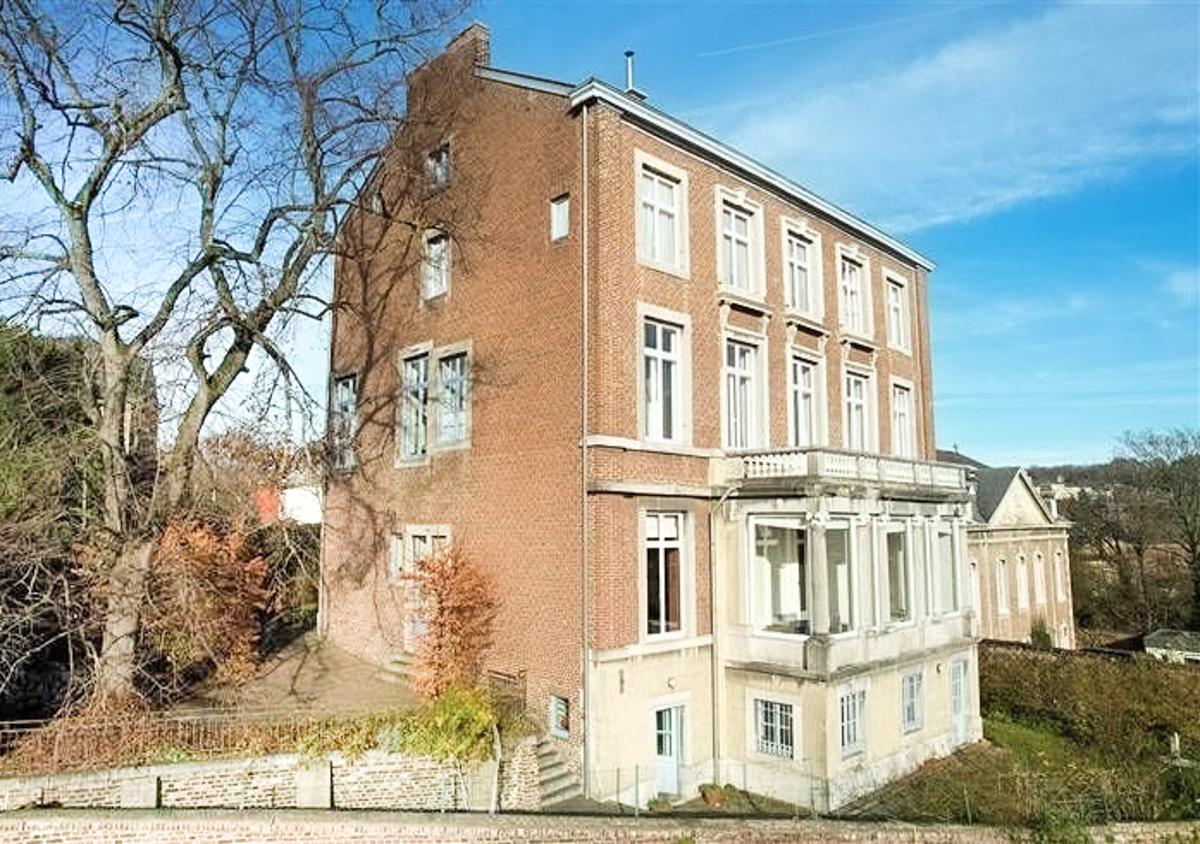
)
(182, 168)
(1169, 467)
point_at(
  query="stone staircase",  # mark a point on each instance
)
(556, 781)
(400, 667)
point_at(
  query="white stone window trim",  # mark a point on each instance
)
(894, 382)
(1039, 578)
(1060, 576)
(1022, 574)
(681, 266)
(789, 520)
(684, 406)
(871, 414)
(820, 396)
(433, 444)
(854, 253)
(687, 579)
(761, 394)
(402, 563)
(918, 721)
(950, 527)
(892, 277)
(849, 523)
(799, 226)
(751, 695)
(737, 199)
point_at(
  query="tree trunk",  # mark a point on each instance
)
(117, 666)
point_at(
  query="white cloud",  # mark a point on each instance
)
(1076, 95)
(1183, 284)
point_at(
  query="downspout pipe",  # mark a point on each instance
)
(718, 675)
(584, 592)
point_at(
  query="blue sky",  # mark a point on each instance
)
(1044, 155)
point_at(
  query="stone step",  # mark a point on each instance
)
(565, 793)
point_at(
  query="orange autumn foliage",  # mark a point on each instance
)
(207, 590)
(459, 608)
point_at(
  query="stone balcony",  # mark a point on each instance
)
(791, 467)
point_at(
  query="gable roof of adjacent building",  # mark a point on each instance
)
(658, 122)
(1185, 641)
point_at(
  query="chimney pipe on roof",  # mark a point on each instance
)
(629, 89)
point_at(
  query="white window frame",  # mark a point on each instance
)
(554, 705)
(560, 217)
(653, 377)
(678, 264)
(687, 593)
(736, 202)
(899, 322)
(904, 434)
(341, 442)
(903, 529)
(435, 276)
(853, 547)
(438, 166)
(947, 604)
(817, 434)
(683, 408)
(866, 330)
(753, 612)
(435, 442)
(1039, 578)
(1022, 582)
(462, 433)
(783, 718)
(407, 407)
(852, 731)
(912, 701)
(756, 427)
(814, 308)
(870, 430)
(1002, 592)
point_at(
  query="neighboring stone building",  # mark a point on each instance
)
(1019, 557)
(1173, 645)
(681, 409)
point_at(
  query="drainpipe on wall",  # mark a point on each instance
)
(718, 673)
(583, 462)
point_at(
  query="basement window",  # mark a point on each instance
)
(560, 717)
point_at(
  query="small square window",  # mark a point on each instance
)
(560, 217)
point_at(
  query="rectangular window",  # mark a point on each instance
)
(453, 387)
(1022, 583)
(660, 200)
(898, 315)
(947, 567)
(414, 545)
(903, 435)
(779, 572)
(664, 569)
(737, 249)
(840, 579)
(857, 418)
(560, 217)
(805, 382)
(900, 608)
(435, 267)
(560, 716)
(660, 380)
(799, 254)
(910, 701)
(413, 408)
(437, 166)
(1002, 586)
(741, 399)
(343, 421)
(774, 728)
(853, 296)
(852, 704)
(1039, 579)
(1060, 583)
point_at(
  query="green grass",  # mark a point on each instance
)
(1035, 748)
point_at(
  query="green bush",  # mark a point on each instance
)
(1039, 634)
(459, 724)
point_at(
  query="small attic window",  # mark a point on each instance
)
(437, 166)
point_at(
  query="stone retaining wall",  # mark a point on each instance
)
(376, 780)
(252, 827)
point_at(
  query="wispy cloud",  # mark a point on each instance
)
(1076, 95)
